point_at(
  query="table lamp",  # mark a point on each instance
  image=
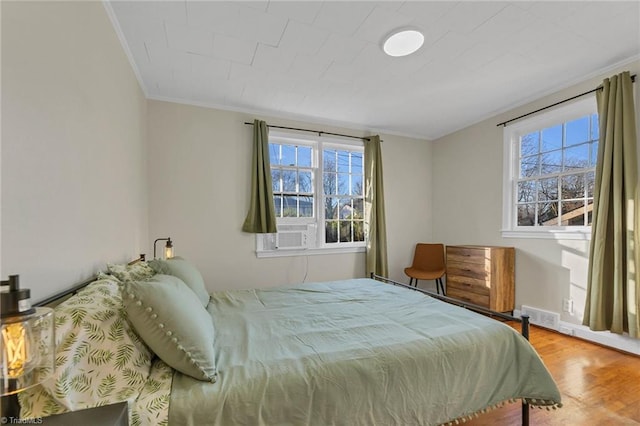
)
(168, 248)
(27, 344)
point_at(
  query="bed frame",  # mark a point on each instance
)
(57, 298)
(523, 320)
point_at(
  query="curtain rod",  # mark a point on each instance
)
(320, 133)
(504, 123)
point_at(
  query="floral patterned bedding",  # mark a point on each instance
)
(100, 360)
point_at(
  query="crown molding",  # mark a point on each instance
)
(125, 46)
(364, 130)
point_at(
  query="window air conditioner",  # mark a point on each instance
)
(290, 237)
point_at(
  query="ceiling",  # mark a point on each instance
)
(322, 62)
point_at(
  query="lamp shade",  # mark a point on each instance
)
(168, 252)
(27, 340)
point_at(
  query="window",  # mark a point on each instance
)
(318, 192)
(343, 195)
(292, 172)
(549, 173)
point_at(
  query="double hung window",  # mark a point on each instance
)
(549, 173)
(318, 193)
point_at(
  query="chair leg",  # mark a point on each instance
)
(437, 287)
(410, 281)
(439, 281)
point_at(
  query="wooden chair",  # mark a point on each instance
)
(428, 264)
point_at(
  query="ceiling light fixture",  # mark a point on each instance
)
(402, 42)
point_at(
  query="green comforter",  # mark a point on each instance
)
(356, 352)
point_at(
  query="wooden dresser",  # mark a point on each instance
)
(482, 275)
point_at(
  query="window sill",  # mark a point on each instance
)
(549, 234)
(310, 251)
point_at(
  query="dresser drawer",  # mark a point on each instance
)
(468, 254)
(475, 271)
(466, 296)
(459, 284)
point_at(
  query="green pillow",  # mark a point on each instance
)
(187, 272)
(136, 272)
(172, 322)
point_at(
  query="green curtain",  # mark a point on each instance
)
(613, 289)
(374, 209)
(261, 218)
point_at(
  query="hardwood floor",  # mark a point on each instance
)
(599, 386)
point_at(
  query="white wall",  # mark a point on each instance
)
(73, 146)
(199, 172)
(467, 209)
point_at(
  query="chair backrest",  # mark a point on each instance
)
(428, 256)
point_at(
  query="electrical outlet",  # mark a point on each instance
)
(567, 305)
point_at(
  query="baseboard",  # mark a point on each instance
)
(605, 338)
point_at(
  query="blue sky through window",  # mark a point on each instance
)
(551, 138)
(556, 171)
(577, 131)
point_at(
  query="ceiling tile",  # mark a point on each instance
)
(301, 11)
(502, 25)
(534, 32)
(340, 72)
(447, 48)
(138, 22)
(172, 12)
(288, 101)
(209, 68)
(257, 95)
(343, 17)
(466, 16)
(380, 23)
(163, 57)
(244, 73)
(221, 17)
(557, 11)
(625, 27)
(308, 67)
(233, 49)
(273, 59)
(280, 81)
(190, 39)
(392, 5)
(597, 14)
(372, 60)
(261, 5)
(259, 26)
(303, 38)
(477, 55)
(341, 48)
(426, 13)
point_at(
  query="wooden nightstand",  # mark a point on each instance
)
(107, 415)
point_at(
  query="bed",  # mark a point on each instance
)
(352, 352)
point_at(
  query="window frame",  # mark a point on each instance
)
(318, 145)
(511, 150)
(352, 147)
(314, 169)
